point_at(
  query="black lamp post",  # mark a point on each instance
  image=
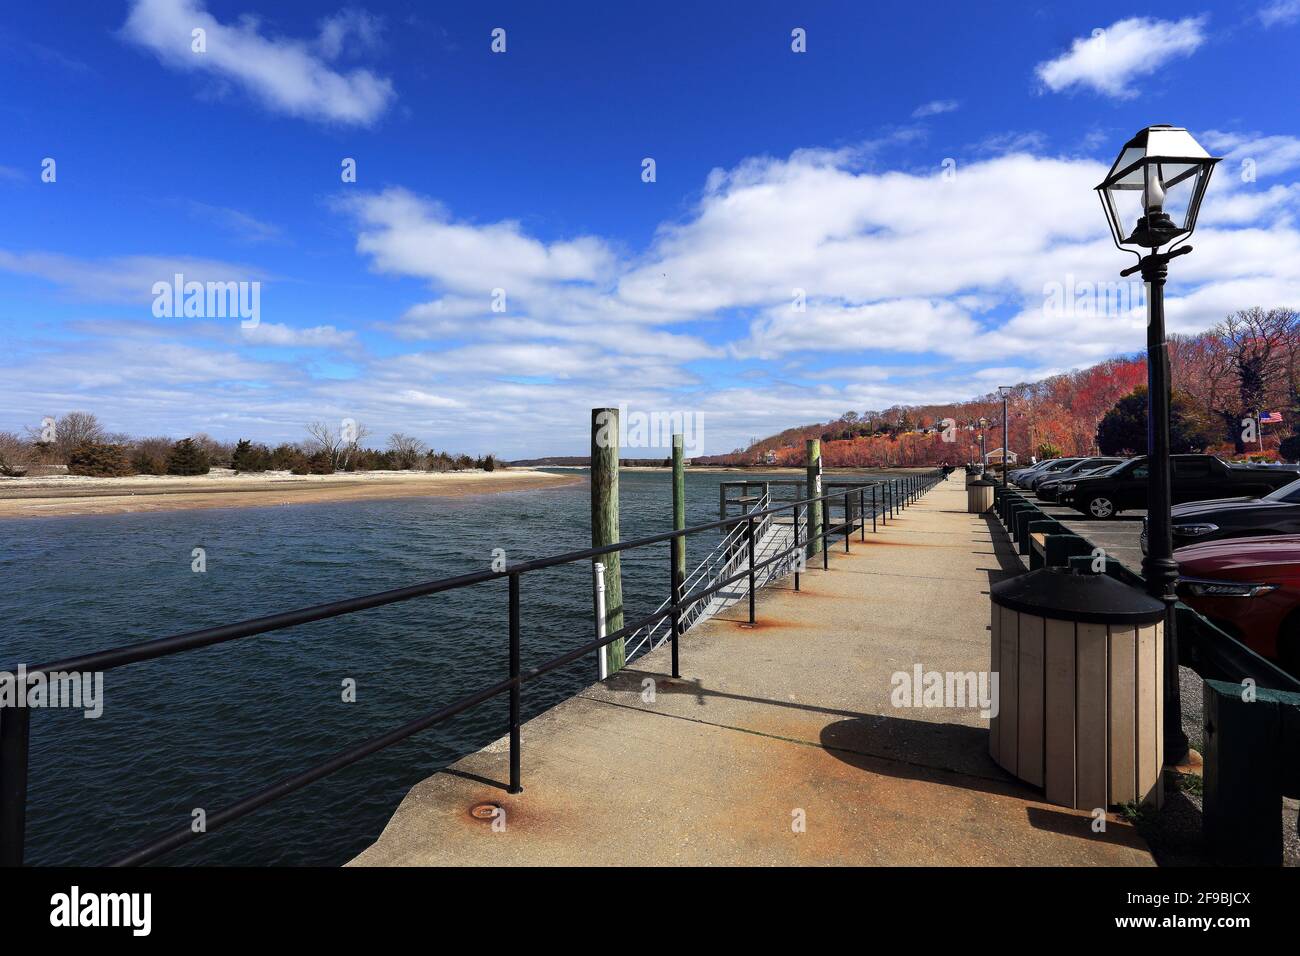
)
(1005, 392)
(984, 448)
(1151, 197)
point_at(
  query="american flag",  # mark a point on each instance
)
(1270, 418)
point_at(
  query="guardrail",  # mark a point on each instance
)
(15, 728)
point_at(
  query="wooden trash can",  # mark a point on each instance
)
(979, 495)
(1079, 659)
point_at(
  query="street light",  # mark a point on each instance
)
(1151, 197)
(1005, 392)
(984, 448)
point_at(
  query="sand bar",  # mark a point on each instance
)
(65, 495)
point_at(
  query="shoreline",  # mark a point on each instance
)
(69, 496)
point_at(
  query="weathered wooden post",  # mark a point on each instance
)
(604, 523)
(813, 456)
(679, 508)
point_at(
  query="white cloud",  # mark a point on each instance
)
(124, 279)
(934, 108)
(318, 336)
(918, 289)
(1267, 155)
(363, 30)
(407, 235)
(1110, 59)
(1279, 13)
(288, 76)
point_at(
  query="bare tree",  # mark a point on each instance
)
(67, 433)
(407, 450)
(340, 444)
(16, 455)
(353, 435)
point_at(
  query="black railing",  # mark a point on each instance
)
(15, 721)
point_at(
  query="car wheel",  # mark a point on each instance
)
(1101, 507)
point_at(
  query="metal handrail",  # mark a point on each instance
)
(15, 721)
(725, 547)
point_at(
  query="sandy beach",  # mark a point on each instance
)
(65, 495)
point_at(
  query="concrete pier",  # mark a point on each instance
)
(780, 744)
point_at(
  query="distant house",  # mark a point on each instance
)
(770, 457)
(995, 457)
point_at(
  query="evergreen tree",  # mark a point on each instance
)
(1123, 429)
(1289, 447)
(188, 458)
(96, 460)
(249, 457)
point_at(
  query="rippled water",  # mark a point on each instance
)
(205, 728)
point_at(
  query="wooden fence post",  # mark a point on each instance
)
(604, 523)
(813, 455)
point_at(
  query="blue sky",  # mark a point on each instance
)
(522, 171)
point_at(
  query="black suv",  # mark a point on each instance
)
(1196, 521)
(1195, 478)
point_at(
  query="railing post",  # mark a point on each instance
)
(848, 520)
(799, 556)
(862, 513)
(598, 576)
(749, 535)
(515, 785)
(679, 506)
(826, 533)
(15, 734)
(873, 509)
(675, 595)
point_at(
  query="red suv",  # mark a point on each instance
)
(1249, 587)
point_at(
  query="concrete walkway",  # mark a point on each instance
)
(780, 744)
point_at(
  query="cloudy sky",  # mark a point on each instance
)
(878, 219)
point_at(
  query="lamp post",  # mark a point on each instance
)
(1005, 392)
(1161, 173)
(984, 448)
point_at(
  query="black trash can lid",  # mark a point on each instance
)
(981, 483)
(1090, 598)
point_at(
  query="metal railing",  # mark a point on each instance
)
(722, 561)
(15, 728)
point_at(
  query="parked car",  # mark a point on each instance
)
(1195, 478)
(1053, 467)
(1080, 466)
(1250, 588)
(1278, 512)
(1050, 489)
(1017, 473)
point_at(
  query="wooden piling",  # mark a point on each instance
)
(604, 522)
(813, 456)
